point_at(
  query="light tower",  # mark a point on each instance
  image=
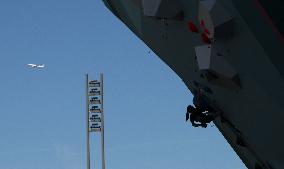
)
(95, 114)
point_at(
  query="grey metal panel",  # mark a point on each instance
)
(260, 26)
(161, 8)
(203, 54)
(150, 7)
(209, 59)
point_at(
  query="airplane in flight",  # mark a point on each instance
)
(35, 65)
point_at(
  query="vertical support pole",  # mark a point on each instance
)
(87, 122)
(102, 123)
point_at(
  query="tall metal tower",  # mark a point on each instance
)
(95, 114)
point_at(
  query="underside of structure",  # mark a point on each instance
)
(232, 51)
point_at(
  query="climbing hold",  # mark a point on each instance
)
(202, 23)
(205, 38)
(207, 31)
(192, 27)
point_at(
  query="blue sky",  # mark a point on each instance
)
(42, 122)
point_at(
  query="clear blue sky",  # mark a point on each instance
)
(42, 122)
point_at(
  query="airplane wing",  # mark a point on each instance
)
(40, 66)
